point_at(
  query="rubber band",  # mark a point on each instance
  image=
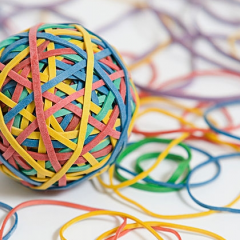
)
(185, 44)
(227, 208)
(225, 112)
(212, 126)
(124, 232)
(41, 202)
(14, 226)
(183, 165)
(153, 185)
(177, 226)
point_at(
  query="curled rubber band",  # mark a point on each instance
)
(145, 173)
(183, 165)
(182, 169)
(164, 16)
(158, 186)
(41, 202)
(13, 228)
(227, 208)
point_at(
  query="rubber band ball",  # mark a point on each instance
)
(67, 106)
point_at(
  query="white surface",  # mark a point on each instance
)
(135, 35)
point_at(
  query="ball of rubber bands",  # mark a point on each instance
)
(67, 106)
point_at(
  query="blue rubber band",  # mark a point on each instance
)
(188, 185)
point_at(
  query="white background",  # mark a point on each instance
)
(136, 35)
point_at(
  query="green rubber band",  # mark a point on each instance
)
(183, 165)
(182, 168)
